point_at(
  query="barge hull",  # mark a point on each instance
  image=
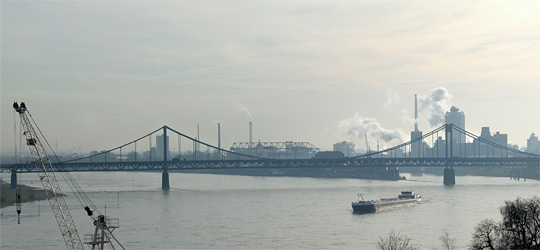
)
(382, 206)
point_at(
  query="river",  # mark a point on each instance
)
(206, 211)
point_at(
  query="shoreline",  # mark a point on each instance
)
(27, 194)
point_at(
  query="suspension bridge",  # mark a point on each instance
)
(447, 146)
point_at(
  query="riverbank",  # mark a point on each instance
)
(513, 173)
(27, 193)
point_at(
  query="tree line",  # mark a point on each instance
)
(519, 229)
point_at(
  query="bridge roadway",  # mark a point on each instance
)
(280, 163)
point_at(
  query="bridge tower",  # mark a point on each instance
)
(449, 178)
(165, 175)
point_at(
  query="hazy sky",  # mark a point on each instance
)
(97, 74)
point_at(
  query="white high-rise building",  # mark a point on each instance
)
(457, 118)
(533, 144)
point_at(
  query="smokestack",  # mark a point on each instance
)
(219, 135)
(250, 133)
(197, 145)
(415, 114)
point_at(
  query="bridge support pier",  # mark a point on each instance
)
(165, 180)
(13, 180)
(449, 176)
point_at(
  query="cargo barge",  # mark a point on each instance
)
(406, 198)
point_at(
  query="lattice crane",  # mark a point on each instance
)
(103, 225)
(48, 180)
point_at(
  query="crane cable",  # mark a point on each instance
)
(18, 204)
(83, 198)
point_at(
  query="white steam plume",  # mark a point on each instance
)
(241, 107)
(356, 126)
(392, 98)
(437, 103)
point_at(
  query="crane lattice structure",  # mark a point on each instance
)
(41, 159)
(48, 179)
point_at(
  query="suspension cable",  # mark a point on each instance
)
(83, 198)
(110, 150)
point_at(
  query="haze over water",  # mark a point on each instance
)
(98, 74)
(204, 211)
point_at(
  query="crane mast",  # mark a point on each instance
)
(48, 179)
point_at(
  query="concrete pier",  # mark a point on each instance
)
(449, 176)
(165, 180)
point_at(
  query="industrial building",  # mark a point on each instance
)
(276, 150)
(347, 148)
(533, 144)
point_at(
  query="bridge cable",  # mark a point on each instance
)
(493, 144)
(405, 144)
(83, 198)
(208, 145)
(149, 134)
(110, 150)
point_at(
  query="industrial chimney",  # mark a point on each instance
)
(250, 133)
(415, 114)
(219, 134)
(417, 148)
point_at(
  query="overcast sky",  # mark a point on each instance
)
(97, 74)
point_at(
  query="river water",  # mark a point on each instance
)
(206, 211)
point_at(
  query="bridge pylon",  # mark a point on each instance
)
(449, 178)
(165, 180)
(165, 175)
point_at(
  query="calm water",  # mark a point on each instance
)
(203, 211)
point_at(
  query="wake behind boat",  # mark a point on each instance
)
(406, 198)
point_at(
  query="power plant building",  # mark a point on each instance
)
(533, 144)
(484, 149)
(347, 148)
(276, 150)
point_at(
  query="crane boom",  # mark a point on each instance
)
(50, 184)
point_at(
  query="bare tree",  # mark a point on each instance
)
(447, 242)
(396, 241)
(519, 229)
(486, 236)
(521, 223)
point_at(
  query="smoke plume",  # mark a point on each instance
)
(392, 98)
(437, 103)
(242, 108)
(357, 126)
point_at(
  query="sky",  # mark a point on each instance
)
(98, 74)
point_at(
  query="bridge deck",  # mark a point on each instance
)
(289, 163)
